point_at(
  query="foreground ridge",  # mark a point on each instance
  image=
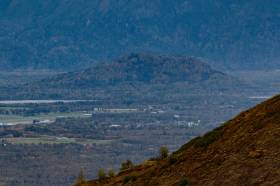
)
(244, 151)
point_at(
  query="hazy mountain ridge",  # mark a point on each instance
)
(140, 68)
(137, 76)
(72, 34)
(244, 151)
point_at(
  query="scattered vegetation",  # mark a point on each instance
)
(183, 182)
(172, 159)
(150, 162)
(111, 173)
(163, 151)
(129, 178)
(78, 138)
(126, 165)
(209, 138)
(81, 179)
(101, 174)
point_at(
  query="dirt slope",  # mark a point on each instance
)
(244, 151)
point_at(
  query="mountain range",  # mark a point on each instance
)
(243, 151)
(70, 34)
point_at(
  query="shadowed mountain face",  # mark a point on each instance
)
(142, 69)
(136, 75)
(244, 151)
(69, 34)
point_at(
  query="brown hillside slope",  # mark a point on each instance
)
(244, 151)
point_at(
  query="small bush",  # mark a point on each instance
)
(129, 178)
(183, 182)
(172, 160)
(154, 159)
(81, 179)
(163, 152)
(126, 165)
(111, 173)
(209, 138)
(150, 162)
(101, 174)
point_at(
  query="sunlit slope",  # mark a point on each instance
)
(244, 151)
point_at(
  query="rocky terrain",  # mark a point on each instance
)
(244, 151)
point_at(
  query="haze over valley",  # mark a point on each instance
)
(105, 92)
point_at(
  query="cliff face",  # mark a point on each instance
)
(244, 151)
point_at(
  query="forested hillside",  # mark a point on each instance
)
(143, 68)
(70, 34)
(137, 76)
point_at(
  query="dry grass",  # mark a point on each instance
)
(245, 151)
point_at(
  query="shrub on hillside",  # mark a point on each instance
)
(101, 174)
(163, 152)
(111, 173)
(209, 138)
(183, 182)
(129, 178)
(172, 159)
(126, 165)
(81, 179)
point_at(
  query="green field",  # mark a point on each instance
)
(56, 140)
(16, 119)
